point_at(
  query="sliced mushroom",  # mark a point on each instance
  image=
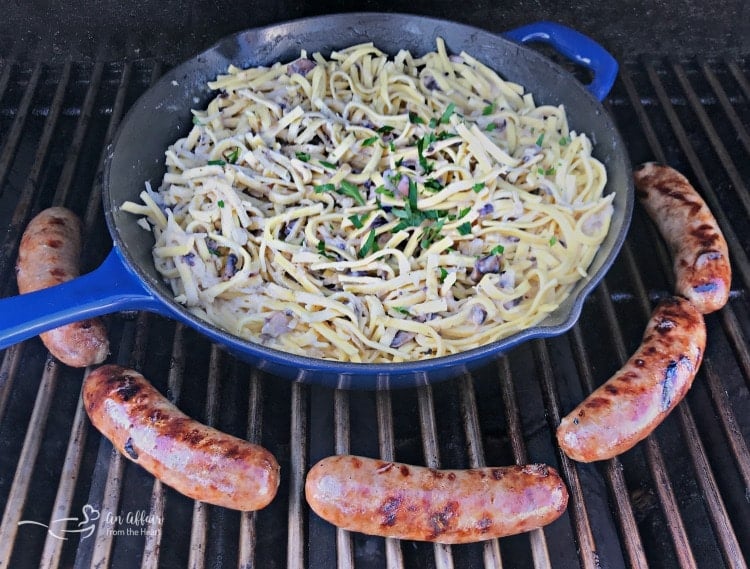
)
(488, 264)
(478, 314)
(302, 66)
(276, 324)
(230, 268)
(401, 338)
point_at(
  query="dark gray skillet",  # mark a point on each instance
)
(128, 280)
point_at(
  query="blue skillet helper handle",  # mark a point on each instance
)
(109, 288)
(575, 46)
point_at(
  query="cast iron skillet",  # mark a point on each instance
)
(127, 279)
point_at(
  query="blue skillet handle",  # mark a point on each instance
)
(575, 46)
(109, 288)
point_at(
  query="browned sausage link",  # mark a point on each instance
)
(445, 506)
(194, 459)
(699, 252)
(49, 255)
(636, 399)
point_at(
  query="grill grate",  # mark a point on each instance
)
(680, 499)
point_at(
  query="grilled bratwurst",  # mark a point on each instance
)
(390, 499)
(636, 399)
(699, 252)
(194, 459)
(49, 254)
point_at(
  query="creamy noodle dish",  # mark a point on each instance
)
(365, 208)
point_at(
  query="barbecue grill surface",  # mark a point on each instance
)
(679, 499)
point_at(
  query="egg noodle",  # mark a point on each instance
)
(372, 209)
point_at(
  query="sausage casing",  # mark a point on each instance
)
(49, 254)
(194, 459)
(637, 398)
(390, 499)
(699, 251)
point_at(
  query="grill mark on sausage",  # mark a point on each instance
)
(705, 235)
(484, 524)
(497, 473)
(440, 521)
(128, 447)
(666, 187)
(54, 243)
(597, 402)
(389, 510)
(129, 390)
(404, 470)
(157, 416)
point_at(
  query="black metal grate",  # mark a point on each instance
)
(680, 499)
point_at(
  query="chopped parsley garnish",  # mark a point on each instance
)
(414, 118)
(197, 121)
(490, 127)
(369, 245)
(463, 212)
(346, 189)
(478, 187)
(423, 143)
(220, 203)
(413, 196)
(464, 228)
(431, 233)
(434, 213)
(540, 140)
(552, 240)
(497, 250)
(217, 163)
(369, 141)
(232, 156)
(399, 162)
(304, 156)
(384, 191)
(433, 185)
(392, 146)
(385, 129)
(433, 123)
(547, 172)
(322, 249)
(449, 110)
(326, 164)
(443, 274)
(489, 109)
(565, 140)
(401, 309)
(349, 189)
(214, 251)
(356, 221)
(324, 188)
